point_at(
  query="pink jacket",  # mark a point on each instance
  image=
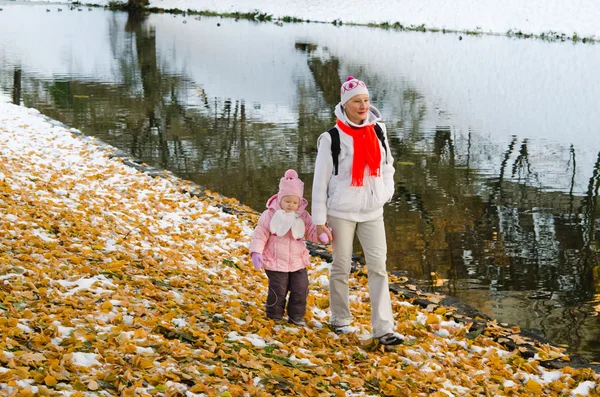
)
(282, 253)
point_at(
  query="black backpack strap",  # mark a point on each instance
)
(381, 136)
(335, 147)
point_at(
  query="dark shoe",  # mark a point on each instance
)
(341, 329)
(299, 322)
(391, 338)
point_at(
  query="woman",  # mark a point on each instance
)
(350, 200)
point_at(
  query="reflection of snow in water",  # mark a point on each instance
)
(517, 241)
(541, 246)
(534, 248)
(545, 239)
(419, 79)
(467, 259)
(509, 224)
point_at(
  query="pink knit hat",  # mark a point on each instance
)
(352, 87)
(290, 185)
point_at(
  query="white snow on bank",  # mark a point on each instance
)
(83, 284)
(85, 359)
(583, 389)
(487, 16)
(490, 16)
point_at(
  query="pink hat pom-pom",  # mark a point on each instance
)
(349, 78)
(290, 174)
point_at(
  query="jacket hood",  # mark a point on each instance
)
(373, 116)
(273, 203)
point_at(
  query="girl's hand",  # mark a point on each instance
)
(324, 230)
(257, 260)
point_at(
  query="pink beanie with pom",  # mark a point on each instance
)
(290, 185)
(351, 87)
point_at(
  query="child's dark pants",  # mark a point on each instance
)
(279, 285)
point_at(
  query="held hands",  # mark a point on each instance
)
(257, 260)
(324, 238)
(324, 233)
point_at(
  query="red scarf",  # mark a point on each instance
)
(366, 151)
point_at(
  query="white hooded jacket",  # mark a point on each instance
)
(333, 195)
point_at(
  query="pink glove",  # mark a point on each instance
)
(323, 238)
(257, 260)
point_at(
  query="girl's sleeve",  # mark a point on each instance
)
(261, 233)
(387, 169)
(311, 229)
(323, 171)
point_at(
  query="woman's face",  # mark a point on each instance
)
(357, 108)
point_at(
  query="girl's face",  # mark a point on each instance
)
(357, 108)
(290, 203)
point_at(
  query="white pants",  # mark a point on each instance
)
(371, 235)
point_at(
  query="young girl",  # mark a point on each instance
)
(278, 247)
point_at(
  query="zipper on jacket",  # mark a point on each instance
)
(275, 250)
(368, 204)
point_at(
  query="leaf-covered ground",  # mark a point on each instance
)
(116, 283)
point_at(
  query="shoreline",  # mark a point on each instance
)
(260, 16)
(406, 289)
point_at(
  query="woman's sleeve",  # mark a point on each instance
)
(388, 170)
(323, 171)
(261, 233)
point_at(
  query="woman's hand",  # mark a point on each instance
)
(323, 229)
